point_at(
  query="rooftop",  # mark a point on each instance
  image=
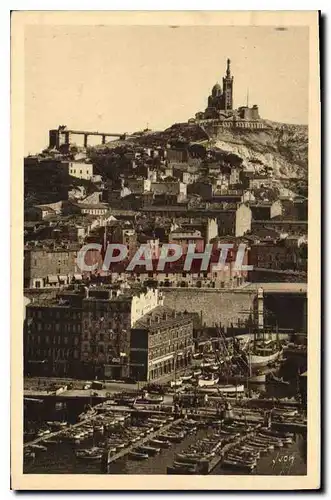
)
(160, 317)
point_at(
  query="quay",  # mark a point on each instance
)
(57, 433)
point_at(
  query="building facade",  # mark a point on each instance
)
(161, 344)
(49, 267)
(52, 336)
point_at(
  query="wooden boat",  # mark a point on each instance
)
(92, 457)
(182, 469)
(172, 437)
(254, 440)
(232, 464)
(51, 442)
(159, 443)
(206, 364)
(138, 456)
(149, 399)
(231, 388)
(57, 424)
(196, 373)
(186, 378)
(189, 458)
(251, 449)
(43, 432)
(263, 354)
(278, 434)
(150, 450)
(236, 457)
(207, 382)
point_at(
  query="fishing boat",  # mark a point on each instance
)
(233, 464)
(150, 450)
(231, 388)
(90, 454)
(43, 432)
(196, 373)
(149, 399)
(206, 364)
(186, 377)
(207, 381)
(172, 437)
(263, 353)
(135, 455)
(159, 443)
(281, 435)
(182, 469)
(51, 442)
(239, 457)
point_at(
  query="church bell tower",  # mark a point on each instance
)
(228, 88)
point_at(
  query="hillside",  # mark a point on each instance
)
(281, 147)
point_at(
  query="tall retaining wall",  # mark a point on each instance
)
(213, 306)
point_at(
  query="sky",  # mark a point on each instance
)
(123, 78)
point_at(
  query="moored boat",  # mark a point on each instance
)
(150, 450)
(138, 456)
(247, 466)
(208, 381)
(159, 443)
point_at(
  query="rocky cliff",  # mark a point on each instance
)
(282, 147)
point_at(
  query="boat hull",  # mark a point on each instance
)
(257, 360)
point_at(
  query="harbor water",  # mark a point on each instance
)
(61, 459)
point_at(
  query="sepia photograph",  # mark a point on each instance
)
(166, 171)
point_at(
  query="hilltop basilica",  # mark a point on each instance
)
(220, 107)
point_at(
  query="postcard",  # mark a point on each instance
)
(165, 188)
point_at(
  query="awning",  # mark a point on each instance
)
(52, 279)
(78, 277)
